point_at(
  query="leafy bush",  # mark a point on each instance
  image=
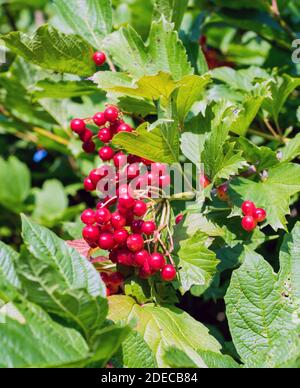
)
(206, 88)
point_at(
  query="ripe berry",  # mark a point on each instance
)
(125, 257)
(88, 217)
(135, 242)
(95, 176)
(168, 273)
(126, 201)
(222, 192)
(204, 181)
(140, 257)
(133, 159)
(99, 119)
(147, 162)
(148, 228)
(111, 114)
(124, 128)
(120, 160)
(106, 241)
(248, 208)
(105, 135)
(106, 153)
(117, 220)
(91, 233)
(164, 181)
(102, 216)
(248, 223)
(157, 261)
(178, 219)
(89, 147)
(136, 226)
(140, 208)
(121, 236)
(88, 185)
(259, 215)
(99, 58)
(133, 171)
(78, 126)
(116, 279)
(159, 169)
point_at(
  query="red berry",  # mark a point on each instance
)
(95, 176)
(99, 119)
(259, 215)
(86, 136)
(125, 257)
(99, 58)
(248, 223)
(136, 226)
(117, 220)
(78, 126)
(120, 160)
(88, 217)
(149, 227)
(106, 153)
(140, 208)
(111, 114)
(133, 171)
(164, 181)
(121, 236)
(147, 162)
(105, 135)
(116, 278)
(88, 185)
(159, 169)
(102, 216)
(126, 202)
(223, 192)
(106, 241)
(157, 261)
(168, 273)
(248, 208)
(178, 219)
(133, 159)
(124, 128)
(91, 233)
(89, 147)
(140, 257)
(204, 181)
(145, 271)
(135, 242)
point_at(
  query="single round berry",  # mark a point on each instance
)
(120, 160)
(102, 216)
(135, 242)
(222, 192)
(111, 114)
(105, 135)
(95, 176)
(140, 209)
(116, 279)
(204, 181)
(88, 185)
(124, 128)
(126, 201)
(86, 136)
(140, 257)
(148, 228)
(157, 262)
(133, 171)
(145, 271)
(178, 219)
(125, 257)
(121, 236)
(164, 181)
(136, 226)
(118, 221)
(259, 215)
(106, 153)
(248, 208)
(99, 58)
(89, 147)
(168, 273)
(249, 223)
(99, 119)
(78, 126)
(106, 241)
(133, 159)
(91, 233)
(88, 217)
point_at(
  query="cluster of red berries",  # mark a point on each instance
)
(252, 216)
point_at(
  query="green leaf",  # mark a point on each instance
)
(273, 194)
(53, 50)
(8, 257)
(64, 89)
(178, 359)
(56, 277)
(91, 19)
(173, 10)
(162, 327)
(192, 145)
(291, 150)
(137, 106)
(15, 186)
(197, 263)
(161, 144)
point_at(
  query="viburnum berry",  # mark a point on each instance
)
(120, 160)
(106, 153)
(126, 201)
(125, 257)
(111, 114)
(78, 126)
(157, 261)
(178, 219)
(99, 58)
(95, 176)
(86, 136)
(106, 241)
(91, 233)
(135, 243)
(248, 223)
(118, 221)
(145, 271)
(148, 228)
(116, 278)
(204, 181)
(88, 217)
(88, 185)
(140, 208)
(259, 215)
(136, 226)
(99, 119)
(168, 273)
(105, 135)
(102, 216)
(133, 171)
(121, 236)
(124, 128)
(140, 257)
(222, 192)
(89, 147)
(248, 208)
(147, 162)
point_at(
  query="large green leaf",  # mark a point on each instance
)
(291, 150)
(192, 145)
(60, 280)
(173, 10)
(8, 258)
(64, 89)
(91, 19)
(164, 326)
(53, 50)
